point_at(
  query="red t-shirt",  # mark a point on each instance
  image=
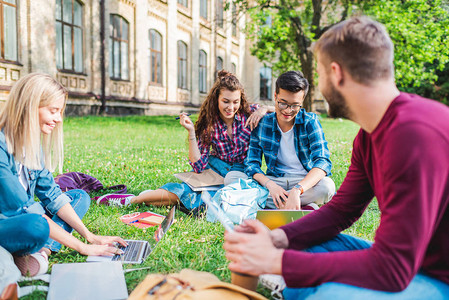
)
(404, 163)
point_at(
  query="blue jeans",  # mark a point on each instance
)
(421, 287)
(24, 234)
(191, 199)
(80, 201)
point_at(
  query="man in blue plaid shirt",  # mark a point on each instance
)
(295, 150)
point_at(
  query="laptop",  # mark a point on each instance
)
(99, 281)
(274, 218)
(137, 250)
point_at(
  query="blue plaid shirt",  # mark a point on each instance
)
(310, 145)
(230, 150)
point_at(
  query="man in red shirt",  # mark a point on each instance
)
(400, 156)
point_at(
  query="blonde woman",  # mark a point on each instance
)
(31, 146)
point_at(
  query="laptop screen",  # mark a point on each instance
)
(274, 218)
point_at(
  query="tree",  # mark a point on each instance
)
(419, 30)
(283, 31)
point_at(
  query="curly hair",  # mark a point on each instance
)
(209, 112)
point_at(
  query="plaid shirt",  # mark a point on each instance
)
(310, 145)
(223, 147)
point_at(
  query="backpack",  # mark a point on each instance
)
(190, 285)
(81, 181)
(240, 200)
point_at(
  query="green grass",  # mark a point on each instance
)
(143, 152)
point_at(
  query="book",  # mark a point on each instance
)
(208, 180)
(141, 219)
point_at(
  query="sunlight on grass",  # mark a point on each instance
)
(143, 152)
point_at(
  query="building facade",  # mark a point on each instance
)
(134, 56)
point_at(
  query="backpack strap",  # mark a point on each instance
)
(121, 188)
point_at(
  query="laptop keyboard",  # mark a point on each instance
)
(131, 253)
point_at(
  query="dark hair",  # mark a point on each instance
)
(359, 45)
(292, 81)
(209, 113)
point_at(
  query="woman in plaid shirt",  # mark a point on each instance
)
(218, 140)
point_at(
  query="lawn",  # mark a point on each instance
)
(143, 152)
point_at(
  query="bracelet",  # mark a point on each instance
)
(266, 182)
(192, 138)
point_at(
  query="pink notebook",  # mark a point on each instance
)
(133, 219)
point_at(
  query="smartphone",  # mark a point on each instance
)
(217, 211)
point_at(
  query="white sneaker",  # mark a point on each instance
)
(115, 199)
(275, 283)
(146, 191)
(33, 264)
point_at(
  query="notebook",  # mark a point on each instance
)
(208, 180)
(99, 281)
(274, 218)
(138, 250)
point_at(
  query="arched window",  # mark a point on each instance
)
(155, 54)
(265, 83)
(182, 65)
(118, 48)
(69, 35)
(233, 68)
(203, 72)
(219, 63)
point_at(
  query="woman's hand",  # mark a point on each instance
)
(255, 117)
(106, 240)
(278, 194)
(105, 250)
(187, 123)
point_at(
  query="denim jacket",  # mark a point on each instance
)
(310, 145)
(14, 200)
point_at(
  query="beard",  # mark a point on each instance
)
(337, 103)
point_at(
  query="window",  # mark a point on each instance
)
(265, 83)
(182, 65)
(234, 19)
(118, 48)
(219, 64)
(233, 68)
(8, 29)
(155, 57)
(219, 13)
(203, 8)
(183, 2)
(203, 72)
(69, 35)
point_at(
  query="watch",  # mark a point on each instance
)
(300, 188)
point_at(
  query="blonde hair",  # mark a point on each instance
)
(19, 120)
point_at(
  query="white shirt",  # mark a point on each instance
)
(287, 161)
(22, 179)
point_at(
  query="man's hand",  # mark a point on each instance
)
(252, 253)
(294, 200)
(278, 194)
(255, 117)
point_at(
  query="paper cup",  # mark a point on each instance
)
(246, 281)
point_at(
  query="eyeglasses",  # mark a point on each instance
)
(284, 106)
